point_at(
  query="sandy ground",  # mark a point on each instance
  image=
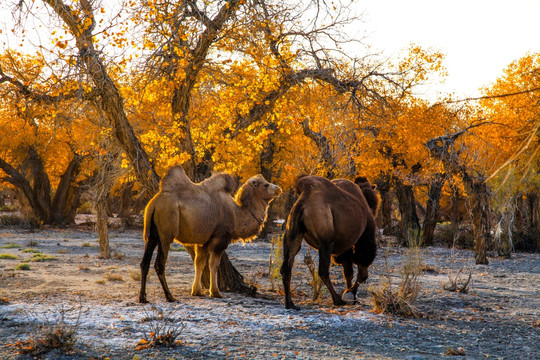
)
(498, 318)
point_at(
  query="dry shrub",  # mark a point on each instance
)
(457, 283)
(387, 300)
(162, 329)
(315, 282)
(50, 333)
(276, 259)
(455, 351)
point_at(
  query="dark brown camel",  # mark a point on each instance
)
(204, 215)
(334, 218)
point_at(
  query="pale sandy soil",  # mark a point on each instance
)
(497, 319)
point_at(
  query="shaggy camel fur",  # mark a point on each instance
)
(334, 218)
(370, 194)
(204, 215)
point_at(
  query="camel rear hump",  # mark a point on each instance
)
(175, 180)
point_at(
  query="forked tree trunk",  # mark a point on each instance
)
(432, 210)
(410, 224)
(37, 190)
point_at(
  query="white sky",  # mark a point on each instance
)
(479, 37)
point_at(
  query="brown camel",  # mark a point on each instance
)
(334, 218)
(204, 215)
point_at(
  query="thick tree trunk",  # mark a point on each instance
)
(432, 210)
(383, 186)
(410, 224)
(102, 226)
(481, 216)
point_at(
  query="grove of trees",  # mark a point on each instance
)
(110, 94)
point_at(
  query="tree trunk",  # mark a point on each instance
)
(481, 214)
(533, 220)
(383, 186)
(432, 209)
(229, 278)
(410, 225)
(102, 225)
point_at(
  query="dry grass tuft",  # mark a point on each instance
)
(114, 277)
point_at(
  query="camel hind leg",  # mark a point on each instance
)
(149, 247)
(159, 266)
(325, 253)
(291, 246)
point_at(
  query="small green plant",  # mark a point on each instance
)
(31, 250)
(87, 244)
(22, 266)
(177, 247)
(41, 257)
(7, 256)
(162, 329)
(10, 246)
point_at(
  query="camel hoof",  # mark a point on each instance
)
(216, 295)
(349, 297)
(339, 302)
(291, 306)
(143, 300)
(171, 299)
(197, 293)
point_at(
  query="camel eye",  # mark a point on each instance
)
(266, 185)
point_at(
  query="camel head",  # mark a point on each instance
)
(257, 188)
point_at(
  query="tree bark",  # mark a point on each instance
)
(410, 224)
(383, 186)
(102, 225)
(432, 209)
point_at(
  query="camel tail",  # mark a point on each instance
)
(295, 226)
(150, 230)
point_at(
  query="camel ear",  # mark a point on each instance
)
(254, 182)
(374, 187)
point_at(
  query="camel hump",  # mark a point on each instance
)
(175, 180)
(371, 195)
(220, 182)
(307, 182)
